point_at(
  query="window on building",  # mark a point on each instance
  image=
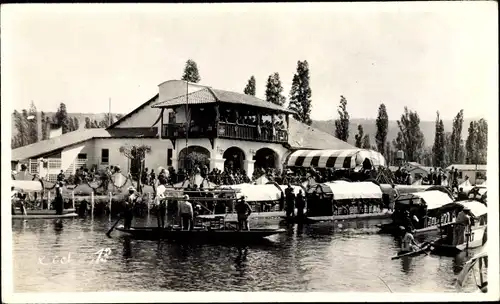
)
(82, 156)
(105, 156)
(169, 157)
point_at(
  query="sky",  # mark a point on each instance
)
(428, 56)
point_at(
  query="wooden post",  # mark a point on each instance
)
(110, 203)
(73, 198)
(92, 202)
(48, 200)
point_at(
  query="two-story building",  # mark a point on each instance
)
(228, 128)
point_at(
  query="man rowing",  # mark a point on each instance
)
(408, 244)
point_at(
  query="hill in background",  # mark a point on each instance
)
(328, 126)
(369, 127)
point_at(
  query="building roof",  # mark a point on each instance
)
(142, 106)
(72, 138)
(56, 143)
(210, 95)
(468, 167)
(302, 136)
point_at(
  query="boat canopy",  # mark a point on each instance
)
(348, 190)
(338, 159)
(433, 199)
(477, 209)
(257, 193)
(197, 180)
(27, 185)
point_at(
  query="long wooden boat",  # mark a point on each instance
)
(430, 200)
(475, 235)
(44, 214)
(200, 234)
(404, 254)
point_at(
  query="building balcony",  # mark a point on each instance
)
(226, 130)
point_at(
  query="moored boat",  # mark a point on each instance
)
(474, 234)
(342, 200)
(30, 212)
(424, 206)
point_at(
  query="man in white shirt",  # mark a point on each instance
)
(186, 213)
(161, 204)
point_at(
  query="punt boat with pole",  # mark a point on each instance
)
(212, 230)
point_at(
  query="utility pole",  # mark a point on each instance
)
(109, 112)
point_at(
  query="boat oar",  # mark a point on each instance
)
(108, 234)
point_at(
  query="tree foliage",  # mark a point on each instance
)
(191, 72)
(61, 118)
(410, 138)
(274, 90)
(136, 153)
(250, 88)
(359, 137)
(382, 123)
(197, 159)
(342, 123)
(438, 149)
(300, 94)
(477, 142)
(456, 148)
(366, 142)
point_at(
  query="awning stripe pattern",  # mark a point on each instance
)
(338, 159)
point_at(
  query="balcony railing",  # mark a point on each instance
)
(226, 130)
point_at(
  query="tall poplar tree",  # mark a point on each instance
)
(382, 123)
(250, 88)
(438, 149)
(191, 72)
(342, 123)
(274, 90)
(300, 94)
(410, 138)
(359, 137)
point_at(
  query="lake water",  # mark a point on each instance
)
(327, 258)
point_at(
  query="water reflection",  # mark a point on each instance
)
(305, 258)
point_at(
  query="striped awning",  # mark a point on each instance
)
(338, 159)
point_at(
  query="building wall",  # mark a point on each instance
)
(144, 118)
(157, 157)
(248, 148)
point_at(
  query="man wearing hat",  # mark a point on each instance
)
(128, 213)
(186, 213)
(58, 202)
(161, 204)
(243, 210)
(461, 224)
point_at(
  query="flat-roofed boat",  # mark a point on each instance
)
(475, 234)
(424, 205)
(343, 200)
